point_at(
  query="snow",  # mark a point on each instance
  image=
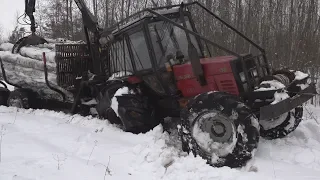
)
(300, 75)
(291, 122)
(255, 122)
(30, 53)
(10, 88)
(36, 53)
(26, 62)
(280, 96)
(274, 85)
(303, 86)
(36, 142)
(6, 47)
(120, 74)
(27, 69)
(114, 101)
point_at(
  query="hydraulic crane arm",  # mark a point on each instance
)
(89, 20)
(90, 23)
(29, 10)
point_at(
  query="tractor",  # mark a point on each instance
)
(155, 64)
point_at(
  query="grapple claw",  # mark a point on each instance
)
(32, 39)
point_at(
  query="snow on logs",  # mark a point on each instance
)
(27, 68)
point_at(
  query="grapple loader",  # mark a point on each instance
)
(156, 64)
(32, 39)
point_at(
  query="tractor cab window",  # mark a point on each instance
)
(140, 51)
(119, 56)
(168, 39)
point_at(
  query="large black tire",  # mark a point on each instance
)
(134, 113)
(286, 123)
(282, 126)
(21, 98)
(4, 94)
(229, 132)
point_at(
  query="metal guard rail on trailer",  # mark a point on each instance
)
(46, 78)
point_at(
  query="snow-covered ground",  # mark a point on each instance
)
(45, 145)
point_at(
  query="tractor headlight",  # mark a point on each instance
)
(242, 76)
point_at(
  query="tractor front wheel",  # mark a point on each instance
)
(220, 128)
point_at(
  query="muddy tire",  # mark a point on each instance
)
(218, 127)
(283, 125)
(132, 111)
(21, 98)
(4, 94)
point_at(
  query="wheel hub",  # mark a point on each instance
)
(218, 126)
(218, 129)
(215, 133)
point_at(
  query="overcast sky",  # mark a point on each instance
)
(8, 11)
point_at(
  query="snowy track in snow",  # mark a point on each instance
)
(35, 141)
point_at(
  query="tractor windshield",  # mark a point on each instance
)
(167, 39)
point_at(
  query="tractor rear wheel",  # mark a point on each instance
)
(4, 94)
(131, 110)
(220, 128)
(283, 125)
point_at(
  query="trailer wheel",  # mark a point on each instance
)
(218, 127)
(20, 98)
(283, 125)
(4, 94)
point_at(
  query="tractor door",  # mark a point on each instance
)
(128, 54)
(143, 63)
(170, 45)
